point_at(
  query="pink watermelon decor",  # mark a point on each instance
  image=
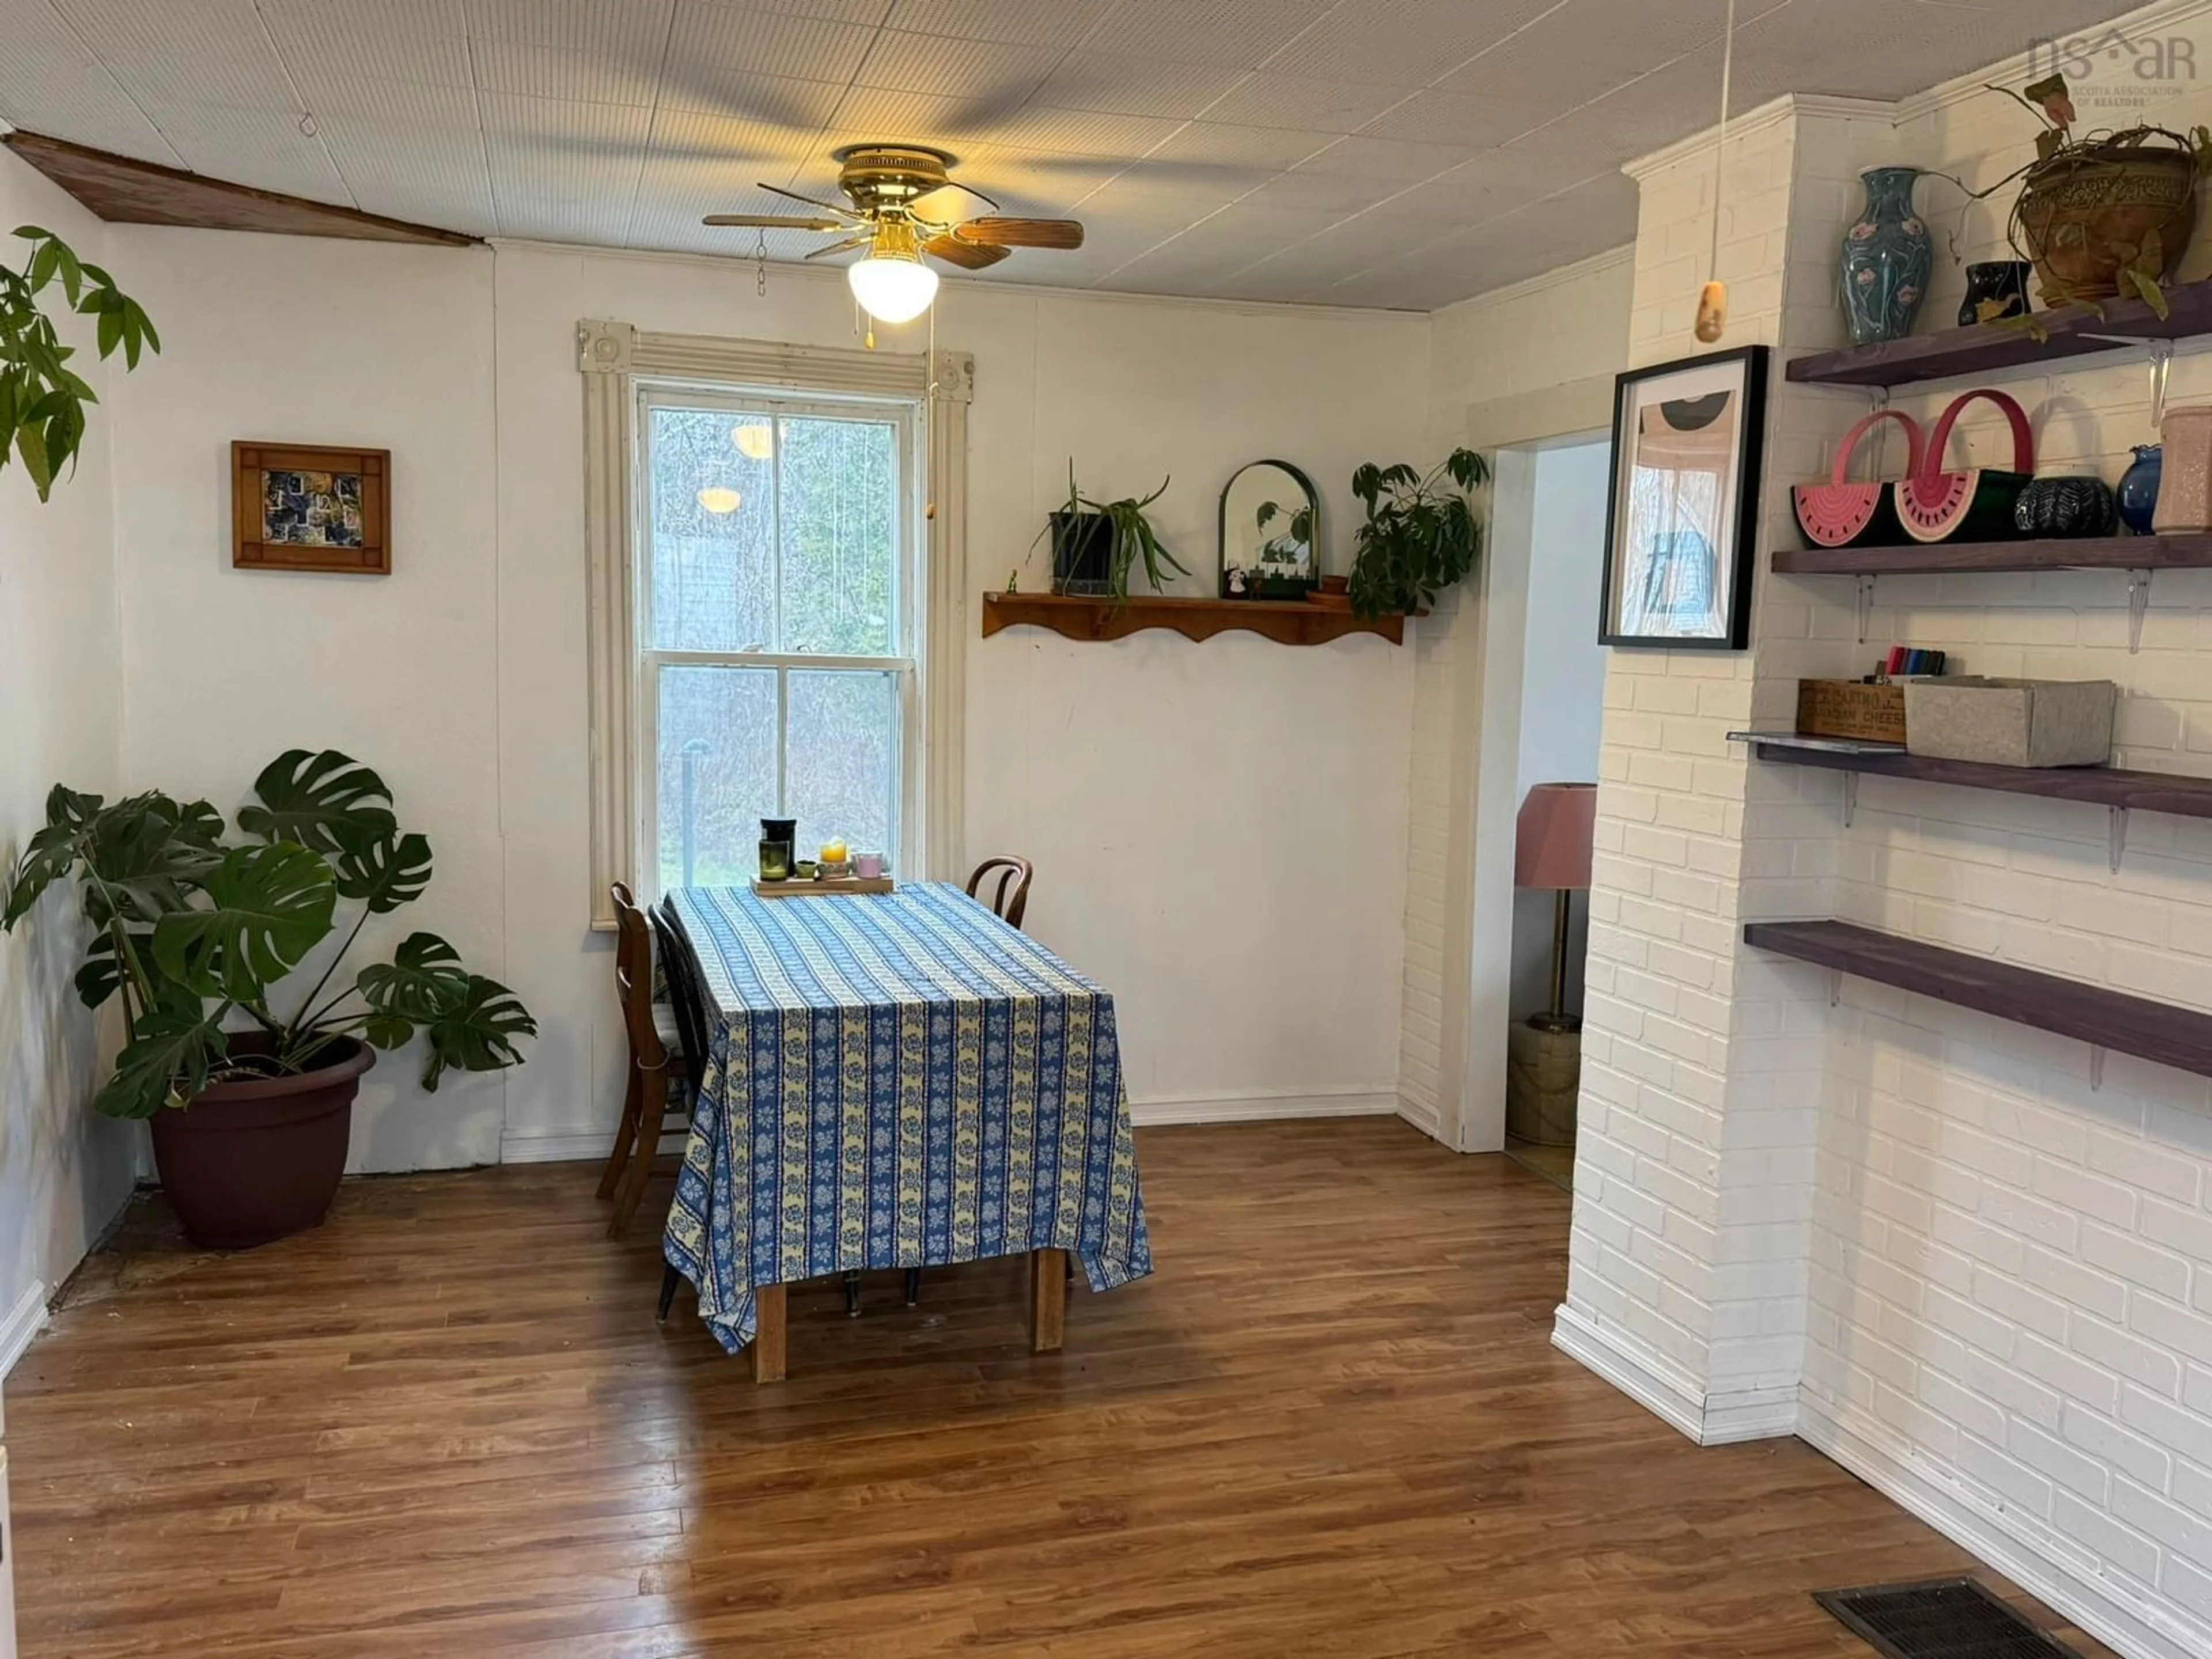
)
(1837, 513)
(1972, 505)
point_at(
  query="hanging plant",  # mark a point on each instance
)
(42, 401)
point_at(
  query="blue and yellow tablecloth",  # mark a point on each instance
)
(893, 1081)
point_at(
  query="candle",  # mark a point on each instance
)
(833, 852)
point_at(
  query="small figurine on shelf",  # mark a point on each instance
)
(1238, 588)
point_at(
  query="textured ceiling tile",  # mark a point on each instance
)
(952, 68)
(1408, 43)
(211, 51)
(51, 82)
(769, 43)
(1319, 193)
(387, 112)
(868, 115)
(1018, 22)
(1451, 118)
(265, 148)
(1126, 84)
(1221, 143)
(1386, 159)
(691, 146)
(327, 43)
(583, 77)
(1080, 132)
(1034, 182)
(1309, 104)
(619, 27)
(802, 106)
(1239, 33)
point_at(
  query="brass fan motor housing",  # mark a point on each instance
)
(889, 179)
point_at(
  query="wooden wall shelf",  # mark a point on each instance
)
(1980, 349)
(2097, 785)
(2180, 1037)
(1939, 558)
(1287, 621)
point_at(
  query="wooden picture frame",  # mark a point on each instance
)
(1682, 514)
(302, 506)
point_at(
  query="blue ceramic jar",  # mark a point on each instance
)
(1887, 257)
(2138, 491)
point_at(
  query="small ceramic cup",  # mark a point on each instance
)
(867, 866)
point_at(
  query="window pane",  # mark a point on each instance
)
(840, 536)
(723, 722)
(840, 764)
(714, 531)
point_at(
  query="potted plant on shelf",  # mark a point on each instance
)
(1096, 544)
(2108, 213)
(1420, 534)
(251, 1109)
(42, 400)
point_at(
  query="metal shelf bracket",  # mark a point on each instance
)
(2138, 608)
(2119, 845)
(1866, 606)
(1850, 781)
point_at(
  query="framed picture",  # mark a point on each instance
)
(294, 508)
(1682, 523)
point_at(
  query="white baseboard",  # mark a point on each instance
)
(566, 1146)
(1255, 1108)
(21, 1323)
(1669, 1393)
(1422, 1114)
(2116, 1615)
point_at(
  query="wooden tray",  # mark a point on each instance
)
(797, 888)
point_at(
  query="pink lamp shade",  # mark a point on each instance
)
(1552, 837)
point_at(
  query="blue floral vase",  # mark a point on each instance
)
(1887, 257)
(2138, 491)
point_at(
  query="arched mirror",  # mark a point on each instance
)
(1270, 533)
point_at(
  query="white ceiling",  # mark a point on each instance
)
(1399, 153)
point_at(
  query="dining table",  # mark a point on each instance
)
(894, 1080)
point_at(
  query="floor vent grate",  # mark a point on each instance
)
(1943, 1619)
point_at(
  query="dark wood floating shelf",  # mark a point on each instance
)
(1287, 621)
(1936, 558)
(1977, 349)
(2098, 785)
(2180, 1037)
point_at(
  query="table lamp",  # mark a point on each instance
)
(1552, 849)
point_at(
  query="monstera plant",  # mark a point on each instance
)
(196, 935)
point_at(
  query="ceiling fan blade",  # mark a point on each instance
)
(842, 212)
(773, 221)
(992, 231)
(861, 240)
(968, 256)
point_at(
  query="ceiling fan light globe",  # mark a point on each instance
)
(892, 290)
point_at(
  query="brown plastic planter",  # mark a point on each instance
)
(254, 1161)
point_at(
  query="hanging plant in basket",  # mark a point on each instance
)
(2108, 214)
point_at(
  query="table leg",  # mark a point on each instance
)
(768, 1334)
(1047, 1300)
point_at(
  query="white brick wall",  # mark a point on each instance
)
(1978, 1282)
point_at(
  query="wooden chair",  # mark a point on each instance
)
(655, 1065)
(1013, 873)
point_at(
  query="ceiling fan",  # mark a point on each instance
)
(890, 187)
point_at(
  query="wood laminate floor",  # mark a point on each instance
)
(1331, 1425)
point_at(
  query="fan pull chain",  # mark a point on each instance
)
(760, 256)
(1712, 302)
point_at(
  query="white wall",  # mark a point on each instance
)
(1562, 685)
(1531, 361)
(63, 1172)
(1916, 1236)
(1219, 829)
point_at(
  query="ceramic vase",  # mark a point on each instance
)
(2001, 283)
(2138, 491)
(2184, 485)
(1887, 257)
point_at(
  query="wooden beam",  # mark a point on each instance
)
(126, 191)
